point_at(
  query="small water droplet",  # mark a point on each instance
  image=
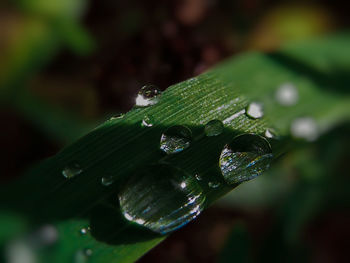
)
(161, 198)
(175, 139)
(84, 230)
(213, 128)
(305, 128)
(255, 110)
(72, 170)
(198, 177)
(147, 122)
(270, 133)
(147, 96)
(287, 94)
(107, 180)
(213, 184)
(119, 116)
(245, 158)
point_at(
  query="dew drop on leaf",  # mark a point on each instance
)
(147, 96)
(107, 180)
(119, 116)
(304, 128)
(72, 170)
(147, 122)
(255, 110)
(213, 128)
(84, 230)
(287, 94)
(270, 133)
(245, 158)
(175, 139)
(161, 198)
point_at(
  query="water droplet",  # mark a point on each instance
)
(119, 116)
(161, 198)
(175, 139)
(255, 110)
(245, 158)
(107, 180)
(147, 122)
(214, 184)
(270, 133)
(213, 128)
(305, 128)
(198, 177)
(85, 230)
(71, 170)
(287, 94)
(147, 96)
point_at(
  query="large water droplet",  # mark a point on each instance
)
(148, 95)
(245, 158)
(255, 110)
(175, 139)
(287, 94)
(107, 180)
(161, 198)
(305, 128)
(72, 170)
(213, 128)
(147, 122)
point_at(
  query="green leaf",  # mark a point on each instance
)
(121, 146)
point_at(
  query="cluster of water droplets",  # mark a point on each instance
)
(162, 197)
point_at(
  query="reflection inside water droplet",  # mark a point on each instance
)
(287, 94)
(161, 198)
(175, 139)
(148, 95)
(213, 128)
(255, 110)
(245, 158)
(72, 170)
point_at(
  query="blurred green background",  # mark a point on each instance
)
(68, 65)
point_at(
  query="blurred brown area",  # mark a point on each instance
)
(165, 42)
